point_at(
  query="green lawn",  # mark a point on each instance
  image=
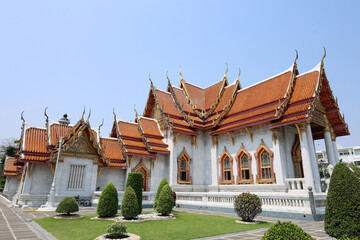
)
(185, 226)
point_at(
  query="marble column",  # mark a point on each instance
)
(336, 152)
(306, 160)
(314, 164)
(214, 164)
(329, 147)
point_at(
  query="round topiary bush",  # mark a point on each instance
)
(165, 202)
(109, 202)
(163, 182)
(135, 180)
(247, 206)
(67, 205)
(286, 231)
(129, 204)
(116, 230)
(342, 211)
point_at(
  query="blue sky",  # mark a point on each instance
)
(67, 54)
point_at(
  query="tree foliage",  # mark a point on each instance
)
(247, 206)
(342, 212)
(109, 201)
(286, 231)
(67, 205)
(135, 180)
(165, 202)
(163, 182)
(129, 204)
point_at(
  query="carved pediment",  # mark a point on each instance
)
(80, 145)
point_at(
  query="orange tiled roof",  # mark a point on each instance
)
(112, 149)
(150, 127)
(10, 167)
(35, 158)
(117, 165)
(57, 131)
(35, 141)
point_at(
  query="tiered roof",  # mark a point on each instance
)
(284, 99)
(10, 167)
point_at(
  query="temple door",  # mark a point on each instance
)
(144, 174)
(297, 159)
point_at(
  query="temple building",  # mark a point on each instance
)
(210, 143)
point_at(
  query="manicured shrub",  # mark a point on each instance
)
(286, 231)
(129, 204)
(247, 206)
(67, 205)
(135, 180)
(342, 212)
(109, 202)
(165, 202)
(163, 182)
(116, 230)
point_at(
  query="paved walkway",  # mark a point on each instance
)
(17, 224)
(12, 226)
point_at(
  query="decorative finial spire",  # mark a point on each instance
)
(227, 69)
(181, 76)
(102, 123)
(297, 56)
(136, 114)
(47, 117)
(22, 117)
(114, 113)
(87, 120)
(238, 78)
(82, 117)
(322, 60)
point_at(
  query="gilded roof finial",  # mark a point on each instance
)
(22, 117)
(181, 76)
(87, 120)
(322, 60)
(151, 83)
(102, 123)
(82, 117)
(227, 69)
(47, 117)
(136, 114)
(114, 113)
(297, 56)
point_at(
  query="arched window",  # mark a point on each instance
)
(226, 164)
(141, 168)
(183, 162)
(244, 175)
(264, 160)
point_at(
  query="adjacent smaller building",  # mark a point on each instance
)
(346, 155)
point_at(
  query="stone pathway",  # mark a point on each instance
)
(14, 224)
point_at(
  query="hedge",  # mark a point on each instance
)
(135, 180)
(67, 205)
(286, 231)
(166, 201)
(109, 202)
(163, 182)
(129, 204)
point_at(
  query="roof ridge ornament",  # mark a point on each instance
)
(82, 117)
(238, 78)
(114, 113)
(226, 71)
(22, 117)
(45, 114)
(181, 76)
(136, 113)
(322, 60)
(87, 120)
(102, 123)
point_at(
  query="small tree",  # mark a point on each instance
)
(165, 202)
(116, 230)
(247, 206)
(286, 231)
(342, 212)
(135, 180)
(108, 202)
(67, 205)
(129, 204)
(163, 182)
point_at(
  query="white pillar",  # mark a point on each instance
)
(314, 165)
(336, 152)
(214, 165)
(305, 154)
(329, 148)
(172, 160)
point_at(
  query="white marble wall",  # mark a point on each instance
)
(114, 175)
(41, 179)
(11, 185)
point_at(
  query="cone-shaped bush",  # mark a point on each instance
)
(129, 204)
(108, 202)
(165, 202)
(67, 205)
(342, 212)
(286, 231)
(163, 182)
(135, 180)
